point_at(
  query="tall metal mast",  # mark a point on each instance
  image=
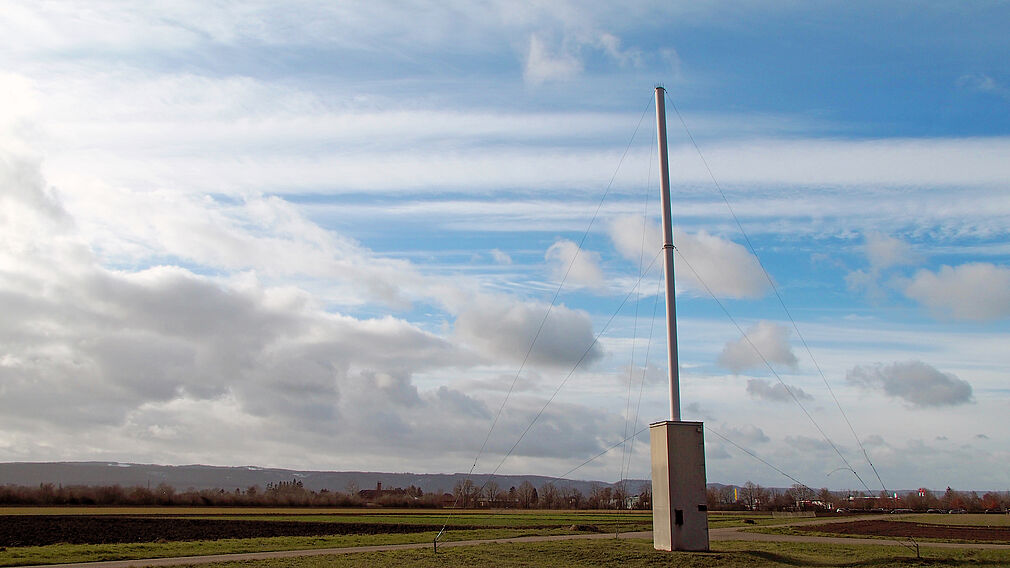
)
(671, 300)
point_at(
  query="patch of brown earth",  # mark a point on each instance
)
(914, 530)
(40, 530)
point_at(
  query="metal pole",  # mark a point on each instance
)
(671, 300)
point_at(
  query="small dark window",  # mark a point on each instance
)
(703, 508)
(678, 516)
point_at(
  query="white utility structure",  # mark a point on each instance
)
(679, 511)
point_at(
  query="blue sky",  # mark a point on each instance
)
(322, 236)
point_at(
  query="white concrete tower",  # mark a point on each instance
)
(679, 511)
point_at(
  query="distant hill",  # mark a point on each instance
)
(199, 477)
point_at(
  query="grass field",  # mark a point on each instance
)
(479, 525)
(640, 554)
(492, 524)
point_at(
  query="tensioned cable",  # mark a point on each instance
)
(626, 456)
(547, 313)
(770, 368)
(645, 369)
(601, 454)
(778, 295)
(565, 475)
(755, 456)
(589, 349)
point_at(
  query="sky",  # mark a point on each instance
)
(319, 235)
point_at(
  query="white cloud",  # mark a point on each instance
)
(727, 269)
(89, 351)
(918, 383)
(503, 329)
(543, 66)
(982, 83)
(573, 265)
(635, 237)
(778, 392)
(747, 435)
(892, 162)
(501, 257)
(882, 252)
(976, 291)
(765, 341)
(611, 44)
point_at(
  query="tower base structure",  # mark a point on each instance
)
(679, 507)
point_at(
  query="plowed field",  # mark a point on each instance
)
(914, 530)
(38, 530)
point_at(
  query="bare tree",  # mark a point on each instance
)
(826, 498)
(599, 497)
(463, 493)
(644, 497)
(493, 493)
(527, 495)
(549, 496)
(801, 493)
(352, 488)
(619, 494)
(573, 498)
(753, 495)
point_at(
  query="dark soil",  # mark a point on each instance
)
(39, 530)
(914, 530)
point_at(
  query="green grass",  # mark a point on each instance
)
(482, 518)
(494, 524)
(66, 553)
(639, 553)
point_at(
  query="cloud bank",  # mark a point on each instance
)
(976, 291)
(915, 382)
(704, 262)
(765, 341)
(778, 392)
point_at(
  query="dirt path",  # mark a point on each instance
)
(715, 535)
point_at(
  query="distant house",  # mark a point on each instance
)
(374, 495)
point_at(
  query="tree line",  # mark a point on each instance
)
(294, 494)
(490, 495)
(752, 496)
(282, 494)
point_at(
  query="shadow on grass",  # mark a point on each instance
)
(898, 560)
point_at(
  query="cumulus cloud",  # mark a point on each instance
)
(635, 237)
(575, 266)
(748, 435)
(765, 339)
(504, 331)
(728, 269)
(976, 291)
(915, 382)
(143, 361)
(765, 390)
(882, 252)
